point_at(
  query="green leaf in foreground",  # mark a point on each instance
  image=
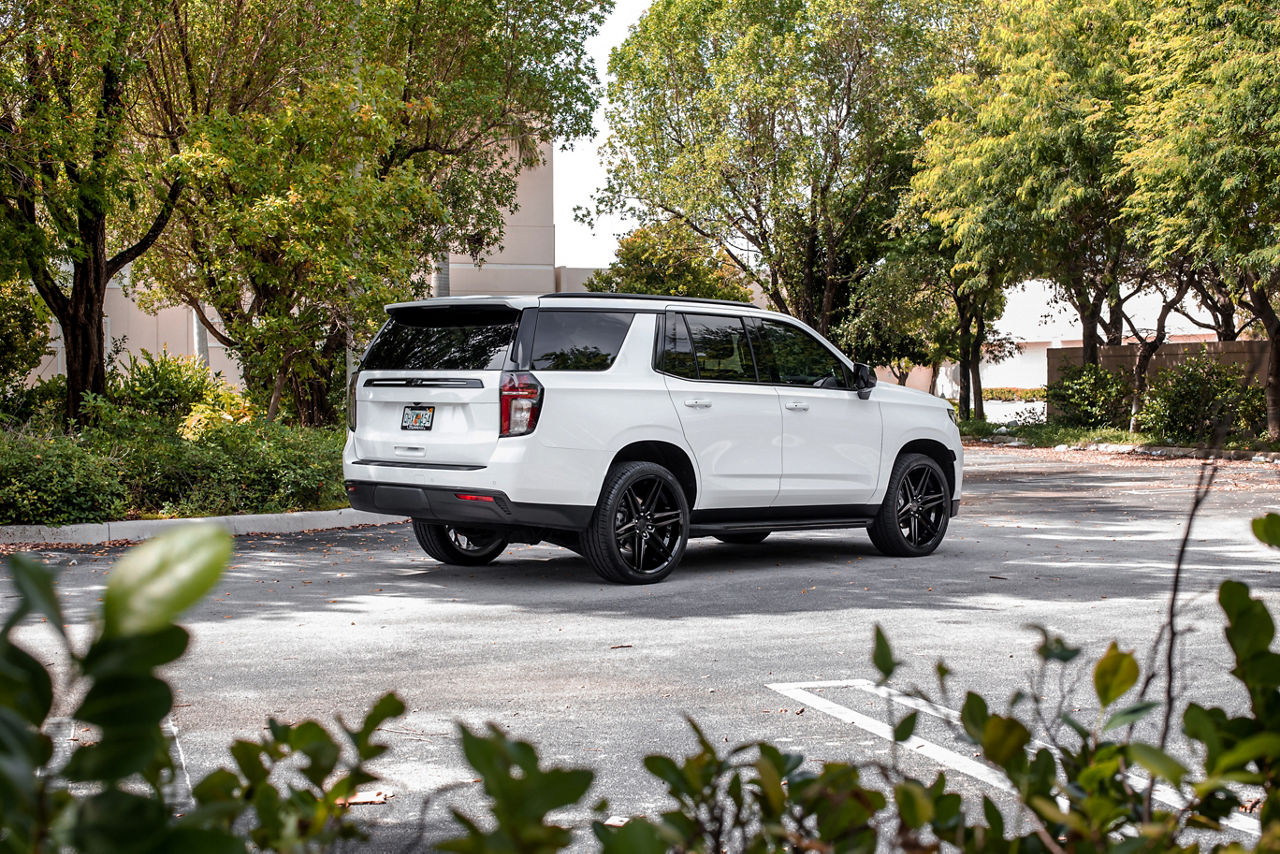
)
(1115, 673)
(155, 582)
(1267, 529)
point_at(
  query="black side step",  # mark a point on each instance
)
(762, 525)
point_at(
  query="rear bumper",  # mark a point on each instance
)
(482, 507)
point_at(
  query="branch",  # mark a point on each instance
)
(117, 263)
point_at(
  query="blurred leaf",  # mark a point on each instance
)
(1130, 714)
(1115, 673)
(314, 742)
(882, 656)
(121, 753)
(116, 821)
(34, 582)
(1003, 739)
(635, 837)
(135, 654)
(192, 840)
(25, 686)
(126, 701)
(905, 727)
(155, 582)
(1267, 529)
(914, 804)
(973, 716)
(248, 757)
(1263, 746)
(1156, 761)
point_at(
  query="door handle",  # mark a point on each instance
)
(698, 404)
(798, 406)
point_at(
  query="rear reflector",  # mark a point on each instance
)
(465, 496)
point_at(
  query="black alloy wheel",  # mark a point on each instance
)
(913, 518)
(458, 546)
(640, 527)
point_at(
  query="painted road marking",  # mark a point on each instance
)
(802, 692)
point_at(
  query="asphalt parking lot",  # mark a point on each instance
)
(598, 675)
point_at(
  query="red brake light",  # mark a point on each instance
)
(519, 402)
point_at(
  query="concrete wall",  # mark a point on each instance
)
(1250, 355)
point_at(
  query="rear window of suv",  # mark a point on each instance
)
(444, 339)
(578, 340)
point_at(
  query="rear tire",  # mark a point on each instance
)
(913, 518)
(458, 546)
(640, 527)
(743, 539)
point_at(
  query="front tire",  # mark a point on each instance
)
(458, 546)
(913, 517)
(640, 527)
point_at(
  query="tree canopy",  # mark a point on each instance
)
(669, 259)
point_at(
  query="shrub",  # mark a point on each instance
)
(1009, 394)
(24, 333)
(163, 384)
(56, 481)
(110, 794)
(20, 404)
(1088, 396)
(1201, 400)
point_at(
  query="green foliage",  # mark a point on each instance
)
(21, 404)
(669, 259)
(1010, 394)
(119, 801)
(782, 129)
(24, 333)
(162, 384)
(126, 464)
(56, 481)
(1073, 784)
(1089, 396)
(1202, 400)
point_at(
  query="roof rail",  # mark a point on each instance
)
(664, 298)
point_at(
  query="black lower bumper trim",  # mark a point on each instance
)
(482, 508)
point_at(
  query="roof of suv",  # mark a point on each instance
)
(621, 301)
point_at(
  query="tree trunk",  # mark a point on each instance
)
(1090, 319)
(934, 370)
(81, 320)
(975, 365)
(1146, 350)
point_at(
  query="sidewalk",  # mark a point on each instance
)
(141, 529)
(1165, 451)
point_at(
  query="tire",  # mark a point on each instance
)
(913, 518)
(618, 549)
(743, 539)
(458, 546)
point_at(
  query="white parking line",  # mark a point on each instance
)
(802, 691)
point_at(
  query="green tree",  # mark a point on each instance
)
(24, 333)
(68, 174)
(780, 129)
(403, 138)
(668, 258)
(1022, 169)
(1206, 152)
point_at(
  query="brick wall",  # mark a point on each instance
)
(1251, 355)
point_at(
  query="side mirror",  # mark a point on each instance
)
(864, 379)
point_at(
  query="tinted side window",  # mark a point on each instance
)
(677, 352)
(443, 339)
(578, 340)
(795, 357)
(721, 348)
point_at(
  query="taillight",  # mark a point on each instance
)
(520, 401)
(351, 401)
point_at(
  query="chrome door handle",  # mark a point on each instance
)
(698, 404)
(798, 406)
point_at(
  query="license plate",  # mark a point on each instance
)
(417, 417)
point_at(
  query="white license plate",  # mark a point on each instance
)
(417, 417)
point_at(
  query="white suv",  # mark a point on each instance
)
(619, 426)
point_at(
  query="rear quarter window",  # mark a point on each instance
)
(444, 339)
(578, 340)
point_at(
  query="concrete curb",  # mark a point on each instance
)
(1169, 452)
(141, 529)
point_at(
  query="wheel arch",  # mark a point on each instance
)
(671, 457)
(939, 453)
